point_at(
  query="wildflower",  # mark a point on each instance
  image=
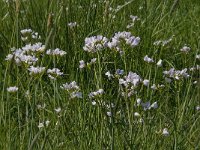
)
(195, 82)
(53, 73)
(93, 60)
(141, 120)
(109, 114)
(198, 108)
(133, 78)
(146, 82)
(9, 57)
(57, 110)
(198, 56)
(121, 37)
(41, 107)
(119, 72)
(76, 95)
(72, 24)
(146, 105)
(134, 18)
(148, 59)
(12, 89)
(159, 63)
(138, 101)
(94, 103)
(154, 105)
(165, 132)
(176, 74)
(28, 34)
(82, 64)
(56, 52)
(26, 31)
(36, 70)
(185, 49)
(153, 87)
(96, 93)
(47, 123)
(123, 82)
(109, 75)
(112, 105)
(41, 125)
(95, 43)
(161, 86)
(136, 114)
(37, 47)
(71, 86)
(163, 42)
(21, 56)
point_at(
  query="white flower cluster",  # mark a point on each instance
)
(36, 70)
(54, 73)
(34, 48)
(96, 93)
(73, 89)
(95, 43)
(71, 86)
(120, 37)
(163, 42)
(198, 56)
(28, 34)
(176, 74)
(43, 124)
(148, 59)
(148, 105)
(195, 68)
(82, 63)
(72, 24)
(133, 19)
(26, 54)
(56, 52)
(132, 79)
(185, 49)
(165, 132)
(12, 89)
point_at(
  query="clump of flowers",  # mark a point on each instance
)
(72, 24)
(132, 78)
(185, 49)
(20, 56)
(95, 43)
(165, 132)
(12, 89)
(81, 64)
(176, 74)
(27, 54)
(96, 93)
(120, 37)
(36, 70)
(109, 75)
(54, 73)
(56, 52)
(73, 89)
(198, 56)
(28, 35)
(148, 59)
(133, 20)
(148, 105)
(163, 42)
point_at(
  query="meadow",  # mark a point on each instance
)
(100, 74)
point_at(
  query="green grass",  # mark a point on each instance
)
(80, 125)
